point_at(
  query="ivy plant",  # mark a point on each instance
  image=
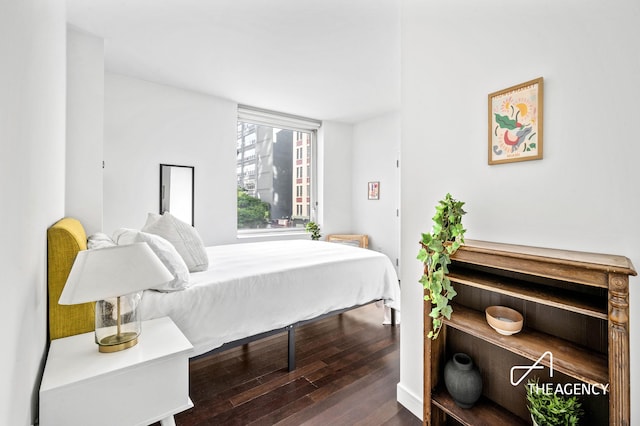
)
(436, 248)
(314, 229)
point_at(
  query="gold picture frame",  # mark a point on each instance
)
(515, 123)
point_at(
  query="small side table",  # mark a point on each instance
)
(137, 386)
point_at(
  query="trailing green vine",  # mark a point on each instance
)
(447, 235)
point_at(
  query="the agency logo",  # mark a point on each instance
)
(529, 368)
(577, 388)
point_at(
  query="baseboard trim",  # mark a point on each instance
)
(409, 400)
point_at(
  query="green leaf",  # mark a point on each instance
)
(447, 311)
(451, 293)
(453, 247)
(422, 255)
(436, 246)
(442, 303)
(435, 313)
(437, 228)
(505, 122)
(446, 285)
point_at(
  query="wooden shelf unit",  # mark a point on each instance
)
(575, 305)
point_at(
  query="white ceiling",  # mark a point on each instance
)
(324, 59)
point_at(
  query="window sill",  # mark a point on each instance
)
(272, 234)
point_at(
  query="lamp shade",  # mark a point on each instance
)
(113, 271)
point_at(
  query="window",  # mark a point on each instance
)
(274, 171)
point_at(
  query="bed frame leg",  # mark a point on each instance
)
(292, 348)
(393, 316)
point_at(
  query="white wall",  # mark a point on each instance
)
(334, 174)
(583, 195)
(147, 124)
(85, 112)
(32, 129)
(376, 146)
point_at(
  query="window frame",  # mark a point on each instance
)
(262, 117)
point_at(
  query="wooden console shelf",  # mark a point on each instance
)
(485, 412)
(560, 299)
(583, 364)
(575, 305)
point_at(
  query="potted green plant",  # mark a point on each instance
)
(314, 229)
(447, 235)
(550, 409)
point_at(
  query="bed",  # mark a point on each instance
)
(248, 290)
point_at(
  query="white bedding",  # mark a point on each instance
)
(257, 287)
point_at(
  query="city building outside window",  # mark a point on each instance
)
(275, 182)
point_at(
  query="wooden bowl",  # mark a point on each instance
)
(504, 320)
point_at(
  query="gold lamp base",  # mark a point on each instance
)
(118, 342)
(118, 322)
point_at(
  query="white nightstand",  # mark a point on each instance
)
(138, 386)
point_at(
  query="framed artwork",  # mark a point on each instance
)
(515, 123)
(374, 190)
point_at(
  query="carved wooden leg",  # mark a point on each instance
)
(619, 398)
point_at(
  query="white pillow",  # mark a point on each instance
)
(151, 219)
(183, 236)
(99, 240)
(165, 252)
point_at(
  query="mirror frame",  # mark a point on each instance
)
(162, 188)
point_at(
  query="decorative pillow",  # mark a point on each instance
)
(165, 252)
(151, 219)
(99, 240)
(183, 236)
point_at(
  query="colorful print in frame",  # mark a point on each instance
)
(515, 123)
(374, 190)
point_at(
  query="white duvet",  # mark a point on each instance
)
(257, 287)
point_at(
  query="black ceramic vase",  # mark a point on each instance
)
(463, 380)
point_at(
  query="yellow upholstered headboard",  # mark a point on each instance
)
(64, 240)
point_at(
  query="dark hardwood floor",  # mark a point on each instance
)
(347, 372)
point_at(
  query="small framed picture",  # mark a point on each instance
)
(374, 190)
(515, 123)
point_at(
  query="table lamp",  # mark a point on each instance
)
(114, 277)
